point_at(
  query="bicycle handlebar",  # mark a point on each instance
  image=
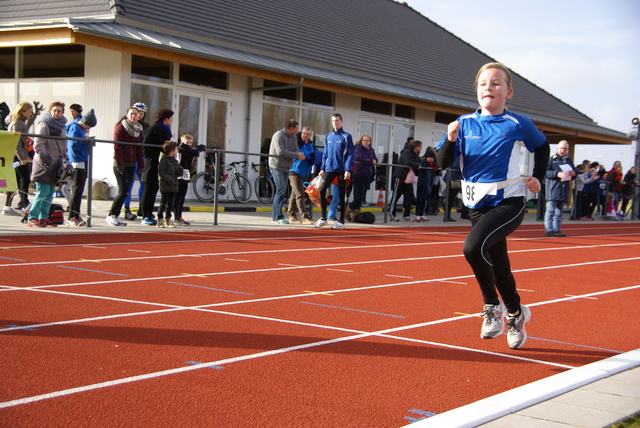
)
(241, 163)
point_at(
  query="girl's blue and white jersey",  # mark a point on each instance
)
(489, 151)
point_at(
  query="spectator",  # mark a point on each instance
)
(169, 170)
(46, 163)
(590, 191)
(409, 156)
(452, 190)
(559, 171)
(142, 111)
(298, 174)
(188, 155)
(76, 112)
(488, 143)
(426, 174)
(626, 191)
(614, 177)
(78, 152)
(337, 160)
(21, 121)
(282, 151)
(155, 136)
(364, 162)
(127, 130)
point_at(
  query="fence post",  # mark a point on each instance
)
(90, 144)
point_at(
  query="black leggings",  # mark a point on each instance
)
(327, 180)
(486, 251)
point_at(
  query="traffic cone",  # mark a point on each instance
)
(381, 198)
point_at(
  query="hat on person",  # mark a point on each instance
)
(76, 107)
(89, 119)
(430, 155)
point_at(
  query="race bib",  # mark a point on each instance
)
(472, 193)
(186, 175)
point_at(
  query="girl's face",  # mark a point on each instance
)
(168, 121)
(27, 114)
(132, 115)
(493, 91)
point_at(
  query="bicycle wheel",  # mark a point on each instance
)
(204, 186)
(241, 188)
(265, 189)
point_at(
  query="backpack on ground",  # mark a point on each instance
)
(365, 217)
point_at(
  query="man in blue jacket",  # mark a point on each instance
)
(78, 152)
(560, 172)
(337, 159)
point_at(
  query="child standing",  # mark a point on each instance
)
(188, 155)
(488, 144)
(168, 172)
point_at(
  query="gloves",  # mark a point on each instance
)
(201, 148)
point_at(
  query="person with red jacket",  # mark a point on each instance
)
(127, 130)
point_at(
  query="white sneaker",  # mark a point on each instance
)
(393, 218)
(517, 335)
(320, 223)
(11, 211)
(493, 324)
(338, 225)
(113, 220)
(120, 222)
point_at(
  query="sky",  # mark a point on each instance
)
(585, 53)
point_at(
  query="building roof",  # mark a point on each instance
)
(376, 45)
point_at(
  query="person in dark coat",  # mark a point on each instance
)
(410, 156)
(169, 170)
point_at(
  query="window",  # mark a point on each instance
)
(203, 77)
(311, 96)
(445, 118)
(282, 95)
(7, 63)
(155, 70)
(405, 112)
(375, 106)
(154, 97)
(53, 61)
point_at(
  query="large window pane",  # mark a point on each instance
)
(281, 95)
(274, 118)
(319, 122)
(375, 106)
(154, 97)
(311, 96)
(53, 61)
(189, 116)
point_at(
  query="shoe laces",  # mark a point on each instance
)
(489, 313)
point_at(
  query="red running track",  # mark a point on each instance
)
(366, 327)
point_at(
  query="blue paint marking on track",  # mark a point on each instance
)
(15, 260)
(355, 310)
(210, 288)
(420, 412)
(91, 270)
(21, 327)
(195, 363)
(576, 344)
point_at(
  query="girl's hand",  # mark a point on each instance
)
(452, 131)
(533, 184)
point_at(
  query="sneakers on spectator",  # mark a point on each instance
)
(182, 222)
(160, 222)
(112, 220)
(11, 211)
(493, 324)
(34, 222)
(120, 222)
(332, 220)
(364, 204)
(307, 220)
(167, 223)
(338, 225)
(75, 222)
(49, 223)
(516, 333)
(394, 218)
(147, 222)
(280, 221)
(320, 223)
(129, 215)
(406, 218)
(294, 219)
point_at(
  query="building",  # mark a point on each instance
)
(234, 72)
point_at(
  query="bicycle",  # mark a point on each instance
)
(204, 184)
(264, 185)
